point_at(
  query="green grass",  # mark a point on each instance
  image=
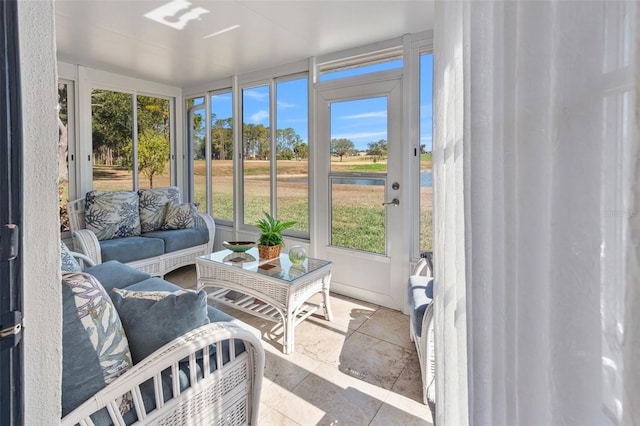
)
(425, 157)
(376, 167)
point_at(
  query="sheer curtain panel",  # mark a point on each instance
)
(537, 212)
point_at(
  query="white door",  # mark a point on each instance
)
(359, 186)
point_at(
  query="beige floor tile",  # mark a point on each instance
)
(398, 410)
(329, 397)
(275, 418)
(350, 312)
(373, 360)
(390, 326)
(409, 384)
(320, 339)
(282, 373)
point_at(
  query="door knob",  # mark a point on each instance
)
(394, 202)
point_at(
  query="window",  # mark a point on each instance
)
(426, 172)
(288, 199)
(359, 65)
(154, 142)
(65, 141)
(292, 150)
(111, 135)
(121, 163)
(222, 155)
(256, 146)
(196, 138)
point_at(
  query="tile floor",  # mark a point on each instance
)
(359, 369)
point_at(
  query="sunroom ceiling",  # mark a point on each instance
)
(116, 36)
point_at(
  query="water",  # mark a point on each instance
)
(426, 180)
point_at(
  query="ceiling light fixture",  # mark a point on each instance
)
(233, 27)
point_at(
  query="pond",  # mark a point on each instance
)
(426, 180)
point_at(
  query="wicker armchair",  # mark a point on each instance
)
(229, 395)
(421, 325)
(224, 388)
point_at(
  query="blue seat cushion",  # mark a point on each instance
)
(178, 239)
(113, 274)
(420, 296)
(131, 249)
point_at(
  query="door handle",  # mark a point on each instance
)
(394, 202)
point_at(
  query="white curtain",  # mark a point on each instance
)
(536, 212)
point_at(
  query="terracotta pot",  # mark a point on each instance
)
(269, 252)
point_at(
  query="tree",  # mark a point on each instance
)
(341, 147)
(153, 154)
(286, 142)
(378, 149)
(301, 151)
(221, 138)
(256, 141)
(112, 123)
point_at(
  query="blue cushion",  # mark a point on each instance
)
(113, 274)
(131, 249)
(420, 296)
(95, 350)
(152, 319)
(178, 239)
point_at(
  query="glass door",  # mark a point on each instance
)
(360, 212)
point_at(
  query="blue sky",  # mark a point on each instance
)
(361, 121)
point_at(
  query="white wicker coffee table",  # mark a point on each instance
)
(275, 290)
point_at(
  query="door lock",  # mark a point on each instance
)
(394, 202)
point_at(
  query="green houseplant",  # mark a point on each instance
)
(271, 240)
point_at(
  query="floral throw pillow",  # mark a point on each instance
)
(153, 204)
(69, 263)
(112, 214)
(95, 347)
(180, 216)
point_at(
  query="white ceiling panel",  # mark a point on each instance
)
(116, 36)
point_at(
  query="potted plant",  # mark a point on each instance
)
(271, 241)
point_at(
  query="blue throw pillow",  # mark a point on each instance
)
(151, 319)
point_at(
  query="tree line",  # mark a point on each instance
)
(256, 141)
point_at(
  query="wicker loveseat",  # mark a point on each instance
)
(112, 372)
(134, 228)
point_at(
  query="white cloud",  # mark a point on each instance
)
(256, 94)
(372, 136)
(286, 105)
(374, 114)
(259, 116)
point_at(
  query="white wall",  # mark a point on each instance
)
(41, 235)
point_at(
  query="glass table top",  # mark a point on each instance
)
(281, 268)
